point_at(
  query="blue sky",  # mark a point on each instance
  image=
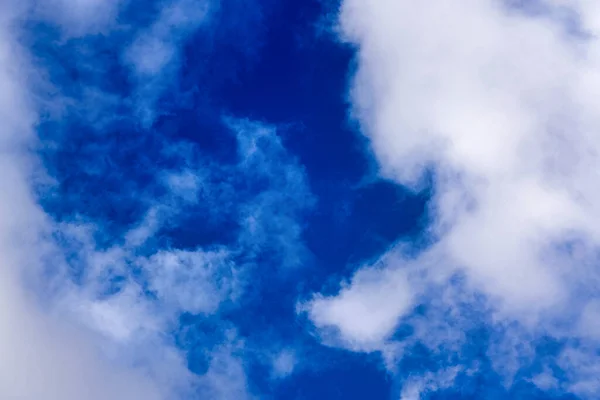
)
(278, 199)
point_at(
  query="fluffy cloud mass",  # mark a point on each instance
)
(494, 103)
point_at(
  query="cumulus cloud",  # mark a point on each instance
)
(366, 311)
(496, 102)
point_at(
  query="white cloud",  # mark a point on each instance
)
(501, 104)
(366, 311)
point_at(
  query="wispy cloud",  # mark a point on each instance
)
(131, 289)
(154, 54)
(80, 17)
(93, 284)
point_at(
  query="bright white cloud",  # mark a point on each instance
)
(501, 104)
(367, 310)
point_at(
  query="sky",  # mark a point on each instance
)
(285, 199)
